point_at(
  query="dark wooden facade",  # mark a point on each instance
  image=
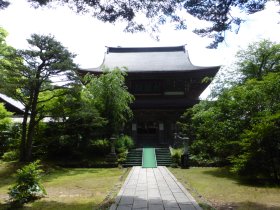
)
(164, 83)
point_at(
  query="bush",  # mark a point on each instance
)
(122, 157)
(10, 155)
(260, 154)
(203, 160)
(100, 146)
(28, 187)
(176, 155)
(5, 120)
(124, 143)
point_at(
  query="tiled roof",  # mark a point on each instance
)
(11, 104)
(148, 59)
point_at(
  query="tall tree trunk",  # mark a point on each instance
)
(23, 135)
(32, 125)
(29, 139)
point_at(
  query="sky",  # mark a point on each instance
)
(87, 37)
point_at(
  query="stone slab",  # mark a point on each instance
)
(153, 189)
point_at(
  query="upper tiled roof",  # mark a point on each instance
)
(148, 59)
(11, 104)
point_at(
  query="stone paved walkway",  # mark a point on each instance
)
(153, 189)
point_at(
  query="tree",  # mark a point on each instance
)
(29, 81)
(109, 94)
(4, 4)
(78, 124)
(218, 13)
(241, 126)
(8, 57)
(28, 187)
(5, 123)
(259, 59)
(5, 119)
(259, 153)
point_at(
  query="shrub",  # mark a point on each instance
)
(202, 160)
(28, 187)
(10, 155)
(176, 155)
(5, 120)
(260, 154)
(124, 143)
(122, 157)
(100, 146)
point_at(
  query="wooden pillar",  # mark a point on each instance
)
(134, 132)
(161, 132)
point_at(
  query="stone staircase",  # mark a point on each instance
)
(134, 158)
(163, 157)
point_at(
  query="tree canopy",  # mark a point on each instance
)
(4, 118)
(109, 94)
(218, 13)
(241, 127)
(84, 111)
(26, 75)
(259, 59)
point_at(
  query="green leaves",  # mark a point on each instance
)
(242, 126)
(28, 187)
(5, 119)
(27, 76)
(259, 59)
(109, 94)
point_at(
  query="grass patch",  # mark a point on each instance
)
(69, 188)
(219, 188)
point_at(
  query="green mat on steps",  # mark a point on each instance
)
(149, 158)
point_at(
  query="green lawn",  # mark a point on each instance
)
(71, 189)
(223, 190)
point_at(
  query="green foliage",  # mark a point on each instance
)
(260, 149)
(226, 127)
(10, 155)
(30, 82)
(259, 59)
(109, 94)
(176, 155)
(100, 147)
(86, 119)
(78, 123)
(6, 127)
(28, 187)
(5, 120)
(122, 157)
(241, 127)
(124, 143)
(8, 57)
(10, 140)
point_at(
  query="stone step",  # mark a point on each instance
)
(163, 157)
(134, 158)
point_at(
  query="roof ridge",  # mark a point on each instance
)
(145, 49)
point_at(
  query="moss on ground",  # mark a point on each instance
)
(69, 188)
(223, 190)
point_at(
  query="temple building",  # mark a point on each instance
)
(164, 82)
(13, 106)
